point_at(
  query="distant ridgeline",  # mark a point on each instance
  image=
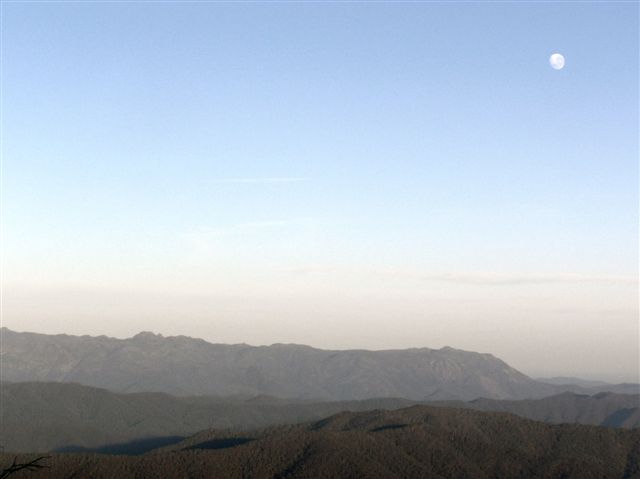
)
(185, 366)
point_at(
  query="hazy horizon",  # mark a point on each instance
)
(340, 175)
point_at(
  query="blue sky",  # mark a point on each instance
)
(396, 159)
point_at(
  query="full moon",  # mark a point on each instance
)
(556, 61)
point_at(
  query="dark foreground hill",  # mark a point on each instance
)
(417, 442)
(185, 366)
(53, 416)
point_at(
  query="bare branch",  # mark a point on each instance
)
(15, 466)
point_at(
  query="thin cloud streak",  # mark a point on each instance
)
(203, 237)
(479, 278)
(257, 181)
(494, 279)
(239, 227)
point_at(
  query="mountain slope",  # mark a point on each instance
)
(48, 416)
(605, 409)
(418, 442)
(54, 416)
(187, 366)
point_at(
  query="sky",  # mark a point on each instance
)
(344, 175)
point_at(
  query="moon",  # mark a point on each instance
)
(556, 61)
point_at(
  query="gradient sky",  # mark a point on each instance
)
(375, 175)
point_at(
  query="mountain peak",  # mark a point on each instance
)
(146, 335)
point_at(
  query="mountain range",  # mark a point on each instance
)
(415, 442)
(186, 366)
(70, 417)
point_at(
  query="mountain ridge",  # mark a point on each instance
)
(414, 442)
(185, 366)
(66, 416)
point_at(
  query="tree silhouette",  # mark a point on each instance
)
(16, 466)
